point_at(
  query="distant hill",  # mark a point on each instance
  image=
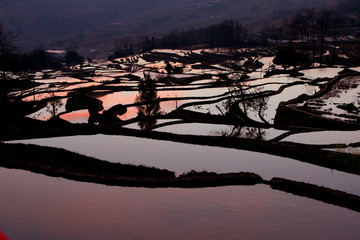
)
(92, 23)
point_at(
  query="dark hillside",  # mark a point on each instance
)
(94, 22)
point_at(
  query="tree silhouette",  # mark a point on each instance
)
(289, 57)
(73, 58)
(148, 99)
(243, 100)
(225, 34)
(40, 59)
(323, 20)
(169, 68)
(7, 48)
(53, 105)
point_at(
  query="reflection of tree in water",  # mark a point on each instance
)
(150, 106)
(246, 100)
(244, 132)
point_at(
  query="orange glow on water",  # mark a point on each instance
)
(125, 98)
(112, 99)
(81, 116)
(131, 112)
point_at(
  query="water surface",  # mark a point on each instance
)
(180, 157)
(34, 206)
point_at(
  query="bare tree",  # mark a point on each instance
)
(323, 26)
(309, 24)
(243, 100)
(7, 48)
(53, 105)
(300, 28)
(311, 18)
(7, 39)
(336, 23)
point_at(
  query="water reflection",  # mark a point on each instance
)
(149, 100)
(216, 130)
(39, 207)
(244, 132)
(182, 158)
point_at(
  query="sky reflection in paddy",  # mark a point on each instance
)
(208, 129)
(181, 158)
(60, 80)
(287, 94)
(321, 72)
(45, 114)
(34, 206)
(81, 116)
(325, 137)
(42, 96)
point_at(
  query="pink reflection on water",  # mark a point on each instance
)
(131, 112)
(113, 99)
(81, 116)
(125, 98)
(42, 96)
(38, 207)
